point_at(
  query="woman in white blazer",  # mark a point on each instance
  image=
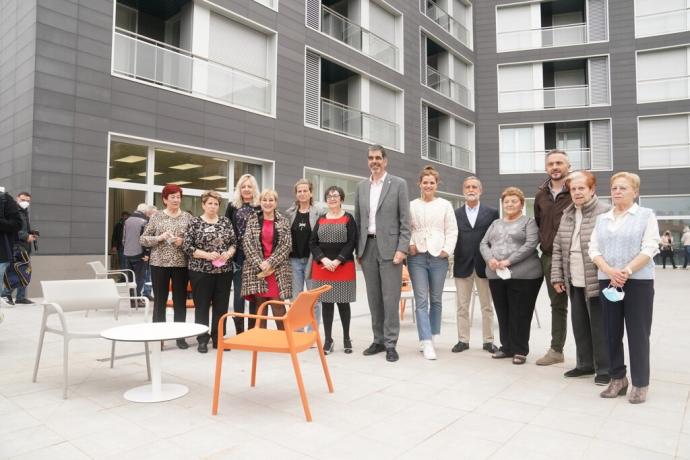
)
(434, 233)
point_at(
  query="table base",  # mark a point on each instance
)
(166, 392)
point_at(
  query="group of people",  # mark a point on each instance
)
(587, 251)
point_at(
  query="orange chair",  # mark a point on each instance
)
(257, 339)
(189, 303)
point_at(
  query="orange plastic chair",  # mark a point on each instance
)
(256, 339)
(189, 303)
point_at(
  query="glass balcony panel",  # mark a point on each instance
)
(533, 161)
(666, 22)
(449, 154)
(446, 21)
(545, 37)
(544, 98)
(664, 89)
(448, 87)
(664, 156)
(351, 122)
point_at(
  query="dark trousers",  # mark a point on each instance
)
(559, 308)
(686, 250)
(667, 254)
(588, 329)
(328, 312)
(514, 302)
(161, 278)
(635, 311)
(138, 266)
(210, 291)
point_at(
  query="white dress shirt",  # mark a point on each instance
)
(472, 213)
(434, 227)
(375, 188)
(650, 238)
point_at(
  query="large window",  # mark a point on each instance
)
(663, 75)
(673, 214)
(324, 179)
(664, 141)
(655, 17)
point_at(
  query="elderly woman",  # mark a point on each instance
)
(245, 202)
(572, 271)
(333, 245)
(266, 274)
(434, 233)
(210, 244)
(303, 215)
(168, 262)
(509, 248)
(622, 246)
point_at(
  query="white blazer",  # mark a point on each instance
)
(434, 227)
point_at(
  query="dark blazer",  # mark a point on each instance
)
(467, 256)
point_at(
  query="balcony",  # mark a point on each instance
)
(151, 61)
(664, 22)
(544, 37)
(663, 89)
(349, 121)
(560, 97)
(342, 29)
(533, 161)
(451, 25)
(448, 87)
(449, 154)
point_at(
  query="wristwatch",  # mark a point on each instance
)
(629, 270)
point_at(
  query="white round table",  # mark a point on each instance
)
(154, 332)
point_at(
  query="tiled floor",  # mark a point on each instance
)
(460, 406)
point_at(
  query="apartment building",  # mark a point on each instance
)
(104, 102)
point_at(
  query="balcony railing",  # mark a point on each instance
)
(148, 60)
(663, 89)
(449, 154)
(559, 97)
(668, 155)
(346, 31)
(441, 17)
(545, 37)
(448, 87)
(666, 22)
(352, 122)
(533, 161)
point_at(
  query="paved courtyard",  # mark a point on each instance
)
(461, 406)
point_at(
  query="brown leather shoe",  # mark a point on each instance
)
(617, 387)
(638, 395)
(551, 357)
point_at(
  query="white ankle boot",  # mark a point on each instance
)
(428, 350)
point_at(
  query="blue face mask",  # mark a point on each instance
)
(613, 294)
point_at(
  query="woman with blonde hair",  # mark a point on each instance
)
(266, 274)
(245, 202)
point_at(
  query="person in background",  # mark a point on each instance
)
(332, 245)
(10, 224)
(210, 244)
(434, 234)
(623, 245)
(574, 272)
(164, 235)
(116, 244)
(549, 202)
(135, 254)
(685, 241)
(515, 274)
(667, 249)
(26, 238)
(147, 291)
(469, 268)
(266, 273)
(303, 215)
(245, 203)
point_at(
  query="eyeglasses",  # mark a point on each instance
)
(332, 197)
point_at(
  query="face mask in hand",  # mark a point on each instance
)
(613, 294)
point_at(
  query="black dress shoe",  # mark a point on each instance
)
(202, 347)
(602, 379)
(460, 346)
(578, 372)
(182, 344)
(23, 302)
(391, 355)
(373, 349)
(490, 347)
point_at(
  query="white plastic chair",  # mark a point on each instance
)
(126, 288)
(64, 296)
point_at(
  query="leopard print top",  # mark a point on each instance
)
(164, 254)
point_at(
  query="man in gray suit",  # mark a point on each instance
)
(382, 212)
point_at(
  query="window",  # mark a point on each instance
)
(322, 180)
(663, 75)
(664, 141)
(653, 17)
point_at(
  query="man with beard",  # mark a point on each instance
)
(549, 202)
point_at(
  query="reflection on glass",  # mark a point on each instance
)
(128, 163)
(189, 170)
(242, 168)
(667, 205)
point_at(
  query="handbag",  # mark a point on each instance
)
(18, 273)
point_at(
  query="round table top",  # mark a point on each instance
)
(150, 332)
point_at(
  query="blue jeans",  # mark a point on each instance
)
(3, 267)
(21, 290)
(428, 274)
(299, 271)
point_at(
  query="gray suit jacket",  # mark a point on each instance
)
(392, 216)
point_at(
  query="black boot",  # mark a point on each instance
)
(182, 344)
(347, 345)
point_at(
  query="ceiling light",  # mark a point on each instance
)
(222, 189)
(131, 159)
(165, 151)
(185, 166)
(155, 173)
(120, 179)
(180, 182)
(213, 177)
(220, 159)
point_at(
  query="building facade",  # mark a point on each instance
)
(104, 102)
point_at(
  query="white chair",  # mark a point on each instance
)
(64, 296)
(126, 288)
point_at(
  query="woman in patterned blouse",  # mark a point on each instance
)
(168, 262)
(266, 274)
(210, 244)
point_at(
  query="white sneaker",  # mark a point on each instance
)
(421, 346)
(435, 339)
(429, 352)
